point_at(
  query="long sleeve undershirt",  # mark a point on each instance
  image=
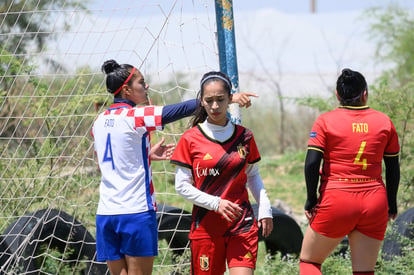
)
(177, 111)
(184, 180)
(312, 165)
(392, 179)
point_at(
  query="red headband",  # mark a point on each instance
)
(126, 81)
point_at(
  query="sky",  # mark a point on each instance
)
(322, 6)
(287, 6)
(284, 33)
(165, 37)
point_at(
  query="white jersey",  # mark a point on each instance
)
(122, 145)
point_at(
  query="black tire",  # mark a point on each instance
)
(286, 236)
(342, 248)
(27, 237)
(173, 226)
(402, 231)
(4, 253)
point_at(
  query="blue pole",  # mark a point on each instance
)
(227, 49)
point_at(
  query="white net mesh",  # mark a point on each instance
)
(51, 89)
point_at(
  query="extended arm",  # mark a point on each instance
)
(184, 109)
(243, 99)
(173, 112)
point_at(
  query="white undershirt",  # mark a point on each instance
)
(184, 179)
(217, 132)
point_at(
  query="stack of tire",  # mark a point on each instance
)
(174, 225)
(24, 241)
(401, 233)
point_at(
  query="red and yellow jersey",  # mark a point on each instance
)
(353, 141)
(218, 169)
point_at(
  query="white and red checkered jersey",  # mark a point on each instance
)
(122, 146)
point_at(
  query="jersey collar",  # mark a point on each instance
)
(121, 103)
(354, 107)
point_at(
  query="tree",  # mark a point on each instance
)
(392, 32)
(393, 92)
(25, 24)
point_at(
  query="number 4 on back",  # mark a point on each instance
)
(358, 159)
(108, 151)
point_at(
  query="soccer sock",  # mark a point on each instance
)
(308, 268)
(363, 272)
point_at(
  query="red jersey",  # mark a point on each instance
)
(218, 169)
(353, 141)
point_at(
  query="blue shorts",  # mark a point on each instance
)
(127, 234)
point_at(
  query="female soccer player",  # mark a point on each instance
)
(215, 161)
(352, 140)
(126, 226)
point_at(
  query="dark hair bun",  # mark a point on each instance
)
(348, 76)
(350, 86)
(109, 66)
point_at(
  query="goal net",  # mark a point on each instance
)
(51, 90)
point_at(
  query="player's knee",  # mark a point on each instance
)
(309, 268)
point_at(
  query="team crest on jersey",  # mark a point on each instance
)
(312, 134)
(242, 151)
(204, 263)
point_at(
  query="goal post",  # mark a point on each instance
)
(227, 49)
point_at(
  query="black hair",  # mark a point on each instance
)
(116, 75)
(200, 114)
(350, 86)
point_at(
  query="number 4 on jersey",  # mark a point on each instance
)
(108, 151)
(358, 159)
